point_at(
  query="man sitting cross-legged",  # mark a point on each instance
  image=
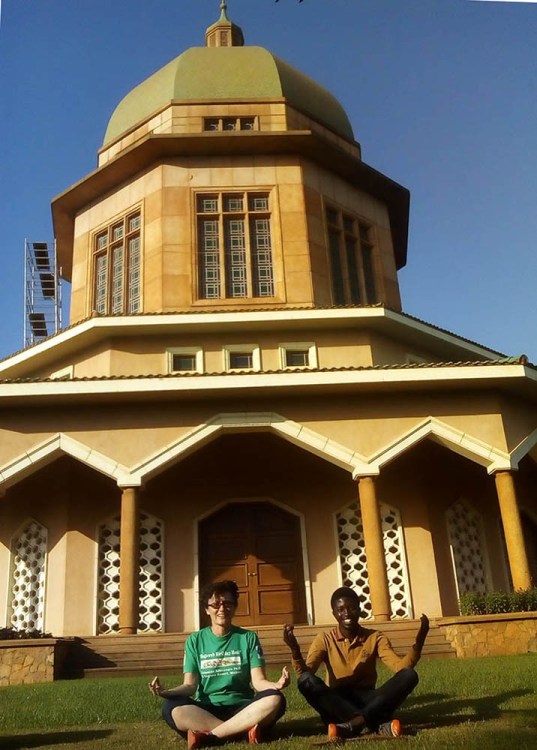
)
(224, 692)
(350, 702)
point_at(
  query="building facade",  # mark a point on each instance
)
(239, 393)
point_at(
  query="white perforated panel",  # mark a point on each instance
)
(28, 573)
(353, 558)
(466, 542)
(151, 575)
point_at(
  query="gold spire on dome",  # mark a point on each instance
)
(224, 33)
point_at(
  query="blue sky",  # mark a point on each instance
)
(442, 95)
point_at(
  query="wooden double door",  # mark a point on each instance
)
(259, 546)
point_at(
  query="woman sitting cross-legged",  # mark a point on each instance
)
(225, 691)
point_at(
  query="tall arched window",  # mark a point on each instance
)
(151, 576)
(353, 559)
(28, 576)
(465, 531)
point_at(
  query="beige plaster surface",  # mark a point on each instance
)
(188, 490)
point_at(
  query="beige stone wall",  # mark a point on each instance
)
(492, 635)
(27, 662)
(322, 188)
(165, 195)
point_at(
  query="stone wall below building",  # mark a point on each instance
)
(29, 661)
(491, 635)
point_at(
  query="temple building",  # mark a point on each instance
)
(239, 393)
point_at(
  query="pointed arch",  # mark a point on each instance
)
(48, 451)
(524, 447)
(288, 430)
(484, 454)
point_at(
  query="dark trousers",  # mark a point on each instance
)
(343, 704)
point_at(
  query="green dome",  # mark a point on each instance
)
(225, 73)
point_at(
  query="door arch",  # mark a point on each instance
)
(259, 546)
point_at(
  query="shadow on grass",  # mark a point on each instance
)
(440, 710)
(431, 710)
(20, 741)
(307, 727)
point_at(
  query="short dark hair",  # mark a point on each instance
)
(219, 587)
(344, 592)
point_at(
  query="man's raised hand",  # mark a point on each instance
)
(422, 632)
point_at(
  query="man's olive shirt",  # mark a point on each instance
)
(353, 663)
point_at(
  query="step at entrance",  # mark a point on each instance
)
(162, 653)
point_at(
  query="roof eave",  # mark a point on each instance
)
(95, 329)
(516, 378)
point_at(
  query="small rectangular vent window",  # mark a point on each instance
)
(183, 362)
(240, 360)
(296, 358)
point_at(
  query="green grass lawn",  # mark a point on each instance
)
(483, 703)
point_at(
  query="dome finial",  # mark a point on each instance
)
(223, 33)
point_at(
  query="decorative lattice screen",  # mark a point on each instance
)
(28, 573)
(354, 562)
(466, 542)
(151, 576)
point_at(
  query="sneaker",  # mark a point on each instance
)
(334, 733)
(254, 735)
(391, 729)
(197, 739)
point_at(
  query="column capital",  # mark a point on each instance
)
(361, 473)
(494, 471)
(129, 483)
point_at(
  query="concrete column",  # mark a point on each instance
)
(512, 527)
(374, 549)
(129, 562)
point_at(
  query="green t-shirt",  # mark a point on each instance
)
(222, 664)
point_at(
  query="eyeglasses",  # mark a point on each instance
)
(225, 603)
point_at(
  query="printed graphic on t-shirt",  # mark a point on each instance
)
(225, 663)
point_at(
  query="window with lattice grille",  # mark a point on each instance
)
(28, 576)
(353, 559)
(151, 576)
(117, 259)
(352, 259)
(465, 531)
(234, 245)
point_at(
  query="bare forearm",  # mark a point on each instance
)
(185, 690)
(260, 685)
